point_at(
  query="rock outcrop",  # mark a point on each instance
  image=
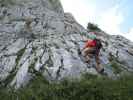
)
(37, 36)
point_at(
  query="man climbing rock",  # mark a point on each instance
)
(92, 49)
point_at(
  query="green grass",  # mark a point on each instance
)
(90, 87)
(20, 54)
(115, 64)
(117, 68)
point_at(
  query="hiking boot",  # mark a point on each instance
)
(100, 70)
(87, 61)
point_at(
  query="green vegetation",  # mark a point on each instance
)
(9, 79)
(51, 0)
(115, 64)
(31, 67)
(93, 27)
(117, 68)
(90, 87)
(14, 71)
(20, 54)
(7, 2)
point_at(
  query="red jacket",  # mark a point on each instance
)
(90, 43)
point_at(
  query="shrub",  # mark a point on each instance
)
(93, 27)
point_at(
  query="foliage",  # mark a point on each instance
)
(115, 64)
(90, 87)
(116, 67)
(7, 2)
(93, 27)
(20, 54)
(31, 67)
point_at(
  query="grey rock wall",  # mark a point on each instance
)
(37, 36)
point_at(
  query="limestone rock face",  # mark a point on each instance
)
(37, 36)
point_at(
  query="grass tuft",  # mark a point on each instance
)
(90, 87)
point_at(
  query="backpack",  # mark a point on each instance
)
(98, 45)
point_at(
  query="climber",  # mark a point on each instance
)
(92, 48)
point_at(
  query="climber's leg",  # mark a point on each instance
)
(87, 53)
(99, 68)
